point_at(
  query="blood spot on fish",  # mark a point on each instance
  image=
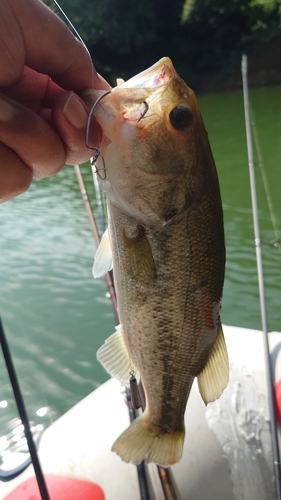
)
(160, 79)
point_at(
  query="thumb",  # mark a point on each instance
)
(70, 115)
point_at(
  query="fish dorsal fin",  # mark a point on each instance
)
(213, 379)
(115, 358)
(103, 257)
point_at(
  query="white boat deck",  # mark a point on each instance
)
(227, 453)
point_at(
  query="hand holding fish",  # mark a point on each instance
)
(42, 120)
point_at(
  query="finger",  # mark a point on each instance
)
(34, 141)
(34, 90)
(15, 175)
(70, 115)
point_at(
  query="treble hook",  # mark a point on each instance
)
(95, 148)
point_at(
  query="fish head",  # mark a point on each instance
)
(154, 122)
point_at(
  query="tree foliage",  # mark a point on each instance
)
(203, 37)
(221, 31)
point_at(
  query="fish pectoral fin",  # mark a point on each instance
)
(213, 379)
(103, 257)
(115, 358)
(140, 262)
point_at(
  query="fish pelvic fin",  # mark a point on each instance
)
(115, 358)
(213, 379)
(139, 442)
(103, 257)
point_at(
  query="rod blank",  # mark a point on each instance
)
(268, 366)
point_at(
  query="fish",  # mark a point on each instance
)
(165, 241)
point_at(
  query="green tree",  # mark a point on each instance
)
(219, 32)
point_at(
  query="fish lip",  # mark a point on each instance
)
(157, 75)
(143, 84)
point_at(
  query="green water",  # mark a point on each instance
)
(56, 315)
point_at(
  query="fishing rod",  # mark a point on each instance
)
(23, 415)
(268, 366)
(164, 473)
(141, 472)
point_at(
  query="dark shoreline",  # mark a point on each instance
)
(264, 69)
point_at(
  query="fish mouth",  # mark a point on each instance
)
(138, 102)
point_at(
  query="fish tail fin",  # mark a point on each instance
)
(139, 441)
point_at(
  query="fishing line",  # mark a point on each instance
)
(23, 415)
(268, 366)
(76, 33)
(72, 27)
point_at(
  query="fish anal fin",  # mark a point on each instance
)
(141, 264)
(115, 358)
(139, 442)
(213, 379)
(103, 257)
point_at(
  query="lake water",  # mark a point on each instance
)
(56, 315)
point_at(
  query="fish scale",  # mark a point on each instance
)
(167, 242)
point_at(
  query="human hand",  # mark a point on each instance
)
(42, 120)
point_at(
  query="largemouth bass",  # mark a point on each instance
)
(166, 239)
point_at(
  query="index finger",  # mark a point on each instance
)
(32, 34)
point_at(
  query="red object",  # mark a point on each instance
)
(59, 488)
(277, 393)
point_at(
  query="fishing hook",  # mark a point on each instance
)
(143, 112)
(101, 172)
(97, 154)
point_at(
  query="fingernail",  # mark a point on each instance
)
(74, 112)
(6, 110)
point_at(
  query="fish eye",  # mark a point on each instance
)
(181, 117)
